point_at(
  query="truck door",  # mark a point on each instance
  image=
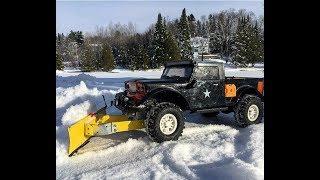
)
(208, 90)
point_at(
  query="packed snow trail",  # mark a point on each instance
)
(210, 148)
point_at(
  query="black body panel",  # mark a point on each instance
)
(204, 89)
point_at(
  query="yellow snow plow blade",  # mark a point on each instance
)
(81, 131)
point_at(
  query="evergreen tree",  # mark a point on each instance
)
(123, 56)
(248, 47)
(211, 24)
(199, 29)
(214, 45)
(159, 56)
(172, 48)
(74, 41)
(116, 55)
(132, 55)
(86, 58)
(107, 60)
(204, 30)
(184, 38)
(193, 28)
(72, 35)
(59, 64)
(142, 58)
(77, 37)
(97, 53)
(258, 43)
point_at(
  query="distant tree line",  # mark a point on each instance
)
(238, 36)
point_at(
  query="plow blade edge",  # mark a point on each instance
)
(81, 131)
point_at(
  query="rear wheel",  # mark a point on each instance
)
(249, 110)
(164, 122)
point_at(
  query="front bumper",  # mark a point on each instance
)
(125, 103)
(128, 107)
(121, 101)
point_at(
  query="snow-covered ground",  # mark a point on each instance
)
(210, 148)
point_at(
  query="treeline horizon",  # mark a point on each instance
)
(238, 37)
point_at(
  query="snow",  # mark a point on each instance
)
(210, 148)
(76, 112)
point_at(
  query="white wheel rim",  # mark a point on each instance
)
(168, 124)
(253, 112)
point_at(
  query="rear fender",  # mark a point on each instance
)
(246, 89)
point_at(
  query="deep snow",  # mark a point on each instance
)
(210, 148)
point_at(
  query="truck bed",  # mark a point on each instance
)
(243, 81)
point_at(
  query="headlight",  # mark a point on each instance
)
(132, 86)
(135, 86)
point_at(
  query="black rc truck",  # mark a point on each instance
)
(195, 86)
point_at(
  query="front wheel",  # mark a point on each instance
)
(249, 110)
(164, 122)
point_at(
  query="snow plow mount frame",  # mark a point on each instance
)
(81, 131)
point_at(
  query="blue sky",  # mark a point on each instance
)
(86, 15)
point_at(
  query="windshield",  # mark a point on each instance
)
(177, 72)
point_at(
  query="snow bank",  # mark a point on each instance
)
(65, 96)
(75, 113)
(74, 103)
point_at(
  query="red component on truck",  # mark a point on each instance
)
(136, 91)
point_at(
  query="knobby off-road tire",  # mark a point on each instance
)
(157, 115)
(249, 110)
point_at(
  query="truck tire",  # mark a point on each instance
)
(249, 110)
(164, 122)
(212, 114)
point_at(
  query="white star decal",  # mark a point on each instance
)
(207, 93)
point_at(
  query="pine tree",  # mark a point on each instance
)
(97, 52)
(76, 37)
(248, 47)
(142, 58)
(241, 42)
(257, 43)
(75, 42)
(204, 30)
(199, 29)
(107, 60)
(172, 48)
(59, 64)
(87, 58)
(193, 29)
(132, 56)
(184, 38)
(116, 55)
(159, 56)
(214, 45)
(79, 38)
(123, 56)
(147, 44)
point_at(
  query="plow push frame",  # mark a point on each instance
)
(81, 131)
